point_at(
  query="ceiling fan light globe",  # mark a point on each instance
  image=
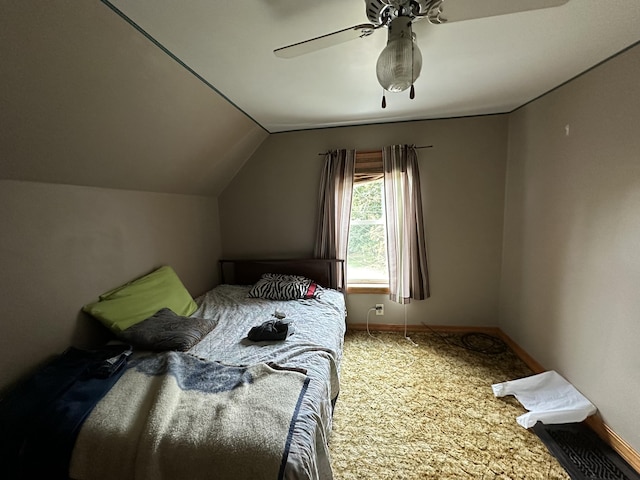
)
(399, 65)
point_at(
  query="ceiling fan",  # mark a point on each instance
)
(400, 62)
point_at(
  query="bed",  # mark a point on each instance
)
(226, 407)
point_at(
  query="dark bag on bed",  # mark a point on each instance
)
(269, 330)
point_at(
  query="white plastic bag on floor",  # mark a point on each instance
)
(548, 397)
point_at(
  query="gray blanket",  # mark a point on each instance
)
(315, 346)
(174, 416)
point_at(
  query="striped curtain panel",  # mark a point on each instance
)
(406, 243)
(336, 188)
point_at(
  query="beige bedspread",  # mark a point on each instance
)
(173, 416)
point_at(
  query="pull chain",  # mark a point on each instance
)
(412, 92)
(384, 100)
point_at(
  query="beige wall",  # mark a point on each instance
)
(570, 289)
(61, 246)
(270, 209)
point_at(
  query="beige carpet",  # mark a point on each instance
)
(428, 412)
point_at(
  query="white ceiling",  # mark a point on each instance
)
(472, 67)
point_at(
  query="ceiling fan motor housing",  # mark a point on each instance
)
(381, 12)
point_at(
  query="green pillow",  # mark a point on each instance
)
(122, 307)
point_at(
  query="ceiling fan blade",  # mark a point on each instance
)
(324, 41)
(458, 10)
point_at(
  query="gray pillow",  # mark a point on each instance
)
(167, 331)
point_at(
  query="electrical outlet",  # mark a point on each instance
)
(379, 308)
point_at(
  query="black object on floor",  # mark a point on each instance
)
(583, 454)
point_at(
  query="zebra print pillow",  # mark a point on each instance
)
(276, 286)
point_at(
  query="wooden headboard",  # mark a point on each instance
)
(326, 272)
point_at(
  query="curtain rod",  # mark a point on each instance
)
(371, 151)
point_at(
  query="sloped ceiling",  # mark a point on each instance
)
(88, 100)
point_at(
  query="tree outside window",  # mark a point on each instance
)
(367, 247)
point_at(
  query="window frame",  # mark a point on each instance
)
(369, 162)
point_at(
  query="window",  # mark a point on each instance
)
(399, 195)
(367, 245)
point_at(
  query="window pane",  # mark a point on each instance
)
(367, 249)
(367, 201)
(367, 254)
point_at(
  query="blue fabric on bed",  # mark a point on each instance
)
(41, 418)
